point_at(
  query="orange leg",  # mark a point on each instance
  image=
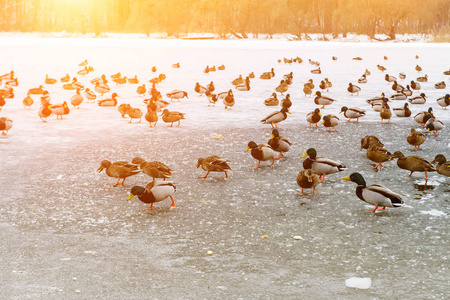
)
(226, 175)
(258, 165)
(204, 176)
(372, 211)
(410, 174)
(379, 165)
(280, 155)
(314, 190)
(273, 162)
(317, 125)
(173, 201)
(117, 183)
(426, 177)
(302, 192)
(322, 178)
(150, 207)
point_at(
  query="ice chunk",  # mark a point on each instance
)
(59, 177)
(434, 212)
(359, 283)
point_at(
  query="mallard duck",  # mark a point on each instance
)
(402, 112)
(5, 125)
(206, 70)
(447, 72)
(365, 142)
(443, 166)
(245, 86)
(385, 113)
(49, 80)
(133, 80)
(77, 99)
(330, 121)
(378, 154)
(407, 91)
(413, 163)
(37, 91)
(272, 101)
(154, 169)
(367, 72)
(176, 65)
(279, 143)
(140, 90)
(423, 116)
(402, 76)
(286, 102)
(261, 152)
(121, 80)
(212, 98)
(329, 84)
(134, 113)
(307, 179)
(381, 68)
(27, 101)
(151, 116)
(440, 85)
(357, 58)
(415, 85)
(307, 90)
(65, 78)
(375, 194)
(397, 87)
(434, 125)
(123, 109)
(101, 88)
(172, 116)
(60, 110)
(177, 94)
(44, 111)
(277, 116)
(421, 99)
(83, 63)
(422, 78)
(418, 68)
(212, 69)
(211, 87)
(322, 86)
(353, 113)
(119, 170)
(154, 69)
(310, 83)
(11, 82)
(102, 79)
(390, 78)
(314, 63)
(213, 164)
(321, 165)
(377, 100)
(362, 79)
(90, 95)
(238, 80)
(9, 75)
(155, 191)
(221, 68)
(288, 77)
(444, 101)
(228, 100)
(385, 57)
(267, 75)
(322, 100)
(83, 72)
(45, 98)
(334, 58)
(416, 138)
(316, 71)
(314, 117)
(109, 102)
(76, 84)
(251, 75)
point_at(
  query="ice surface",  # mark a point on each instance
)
(359, 283)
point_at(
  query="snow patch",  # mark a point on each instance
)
(359, 283)
(434, 212)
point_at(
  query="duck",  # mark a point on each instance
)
(407, 91)
(83, 63)
(385, 113)
(402, 112)
(206, 70)
(399, 96)
(210, 87)
(154, 169)
(440, 85)
(316, 71)
(77, 99)
(245, 86)
(282, 87)
(415, 85)
(9, 75)
(277, 116)
(279, 143)
(353, 113)
(416, 138)
(385, 57)
(176, 65)
(101, 88)
(447, 72)
(11, 82)
(121, 80)
(322, 100)
(228, 100)
(307, 179)
(119, 170)
(133, 80)
(141, 90)
(314, 63)
(134, 113)
(321, 165)
(286, 102)
(177, 94)
(123, 109)
(45, 98)
(418, 68)
(154, 69)
(357, 58)
(109, 102)
(83, 72)
(155, 191)
(334, 58)
(90, 95)
(75, 85)
(213, 164)
(390, 78)
(272, 100)
(381, 68)
(444, 101)
(27, 101)
(267, 75)
(307, 90)
(49, 80)
(60, 110)
(212, 98)
(37, 91)
(199, 89)
(402, 76)
(322, 85)
(238, 80)
(172, 116)
(151, 116)
(314, 117)
(288, 77)
(367, 72)
(423, 116)
(44, 111)
(413, 163)
(5, 125)
(251, 75)
(443, 166)
(310, 83)
(422, 78)
(102, 79)
(65, 78)
(362, 79)
(434, 125)
(375, 194)
(376, 100)
(221, 67)
(378, 154)
(365, 142)
(117, 75)
(261, 152)
(397, 87)
(421, 99)
(330, 121)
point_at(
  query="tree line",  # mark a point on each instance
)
(227, 17)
